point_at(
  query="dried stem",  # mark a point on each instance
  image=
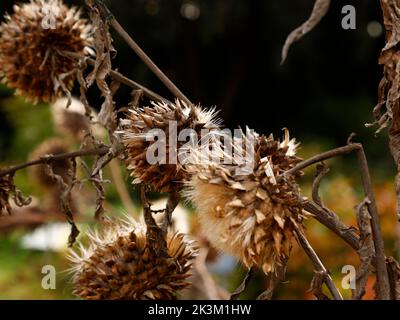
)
(322, 170)
(120, 186)
(275, 279)
(121, 78)
(154, 234)
(172, 203)
(107, 15)
(382, 274)
(50, 158)
(207, 283)
(317, 264)
(329, 219)
(324, 156)
(366, 251)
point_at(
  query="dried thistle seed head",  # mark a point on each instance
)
(39, 173)
(121, 265)
(165, 173)
(249, 215)
(32, 42)
(5, 190)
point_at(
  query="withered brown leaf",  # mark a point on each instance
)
(320, 9)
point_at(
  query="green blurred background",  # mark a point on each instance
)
(226, 53)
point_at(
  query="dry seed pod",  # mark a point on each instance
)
(121, 265)
(248, 215)
(39, 173)
(141, 124)
(32, 42)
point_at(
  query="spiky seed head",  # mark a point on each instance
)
(119, 264)
(166, 173)
(32, 42)
(250, 216)
(39, 173)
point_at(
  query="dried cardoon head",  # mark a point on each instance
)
(248, 214)
(39, 173)
(147, 136)
(33, 41)
(122, 265)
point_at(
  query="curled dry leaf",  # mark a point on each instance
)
(242, 287)
(65, 197)
(387, 110)
(316, 285)
(394, 277)
(102, 68)
(366, 251)
(320, 9)
(5, 190)
(8, 189)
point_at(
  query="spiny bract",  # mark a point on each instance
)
(166, 174)
(248, 214)
(121, 264)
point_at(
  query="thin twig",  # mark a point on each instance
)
(207, 284)
(121, 78)
(172, 203)
(382, 274)
(61, 156)
(317, 264)
(323, 156)
(322, 170)
(381, 270)
(329, 219)
(107, 15)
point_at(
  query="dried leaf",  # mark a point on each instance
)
(366, 250)
(5, 191)
(274, 279)
(8, 189)
(102, 67)
(317, 283)
(65, 197)
(320, 9)
(394, 277)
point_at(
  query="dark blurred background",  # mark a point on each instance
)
(226, 53)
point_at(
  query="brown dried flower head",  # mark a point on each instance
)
(250, 216)
(142, 123)
(32, 42)
(121, 265)
(70, 121)
(39, 173)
